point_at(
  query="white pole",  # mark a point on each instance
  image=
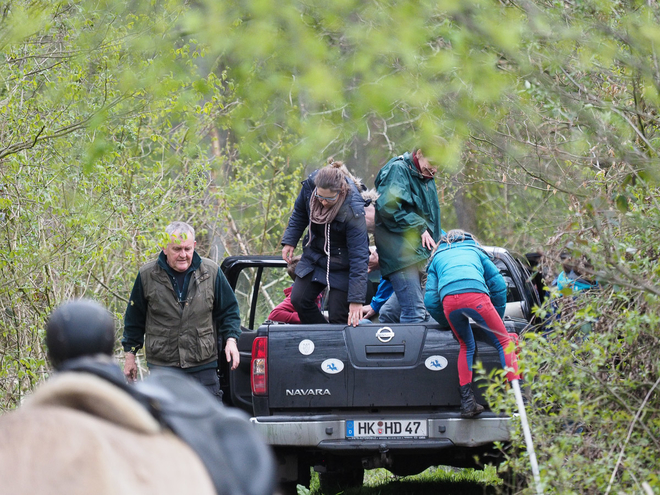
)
(528, 436)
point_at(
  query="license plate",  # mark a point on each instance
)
(381, 428)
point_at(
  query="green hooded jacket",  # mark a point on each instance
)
(408, 205)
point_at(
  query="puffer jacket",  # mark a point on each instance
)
(462, 267)
(349, 243)
(407, 206)
(574, 282)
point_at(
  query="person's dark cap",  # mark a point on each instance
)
(79, 328)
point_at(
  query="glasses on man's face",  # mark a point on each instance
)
(326, 198)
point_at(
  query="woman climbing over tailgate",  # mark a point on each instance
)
(335, 248)
(464, 283)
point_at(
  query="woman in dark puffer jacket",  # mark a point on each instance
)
(335, 248)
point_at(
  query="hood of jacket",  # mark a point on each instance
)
(467, 241)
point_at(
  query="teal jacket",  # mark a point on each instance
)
(462, 267)
(574, 282)
(407, 206)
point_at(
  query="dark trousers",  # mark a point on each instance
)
(303, 298)
(209, 380)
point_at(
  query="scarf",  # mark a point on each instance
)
(322, 215)
(419, 168)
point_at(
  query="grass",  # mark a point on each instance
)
(434, 480)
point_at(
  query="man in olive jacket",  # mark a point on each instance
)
(181, 309)
(407, 227)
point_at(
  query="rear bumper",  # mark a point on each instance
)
(329, 433)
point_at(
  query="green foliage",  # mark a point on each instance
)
(92, 167)
(407, 71)
(113, 124)
(258, 192)
(524, 106)
(117, 117)
(592, 372)
(432, 481)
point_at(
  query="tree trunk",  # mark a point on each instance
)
(465, 205)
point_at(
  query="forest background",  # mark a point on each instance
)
(117, 117)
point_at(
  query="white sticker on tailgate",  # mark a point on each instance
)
(436, 363)
(306, 347)
(332, 366)
(385, 429)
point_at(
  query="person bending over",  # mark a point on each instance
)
(464, 283)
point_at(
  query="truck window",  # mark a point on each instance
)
(258, 291)
(512, 292)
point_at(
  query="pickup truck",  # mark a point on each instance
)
(342, 399)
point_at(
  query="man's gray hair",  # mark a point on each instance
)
(180, 228)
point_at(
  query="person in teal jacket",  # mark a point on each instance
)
(572, 275)
(464, 283)
(407, 228)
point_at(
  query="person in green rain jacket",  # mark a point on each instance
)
(407, 227)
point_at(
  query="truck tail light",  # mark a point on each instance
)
(259, 369)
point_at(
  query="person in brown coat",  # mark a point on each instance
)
(80, 435)
(86, 431)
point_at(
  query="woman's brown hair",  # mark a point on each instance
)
(331, 177)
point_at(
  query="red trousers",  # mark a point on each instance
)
(458, 308)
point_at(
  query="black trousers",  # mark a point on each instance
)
(303, 298)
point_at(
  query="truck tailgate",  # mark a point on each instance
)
(327, 366)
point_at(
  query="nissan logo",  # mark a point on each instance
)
(385, 334)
